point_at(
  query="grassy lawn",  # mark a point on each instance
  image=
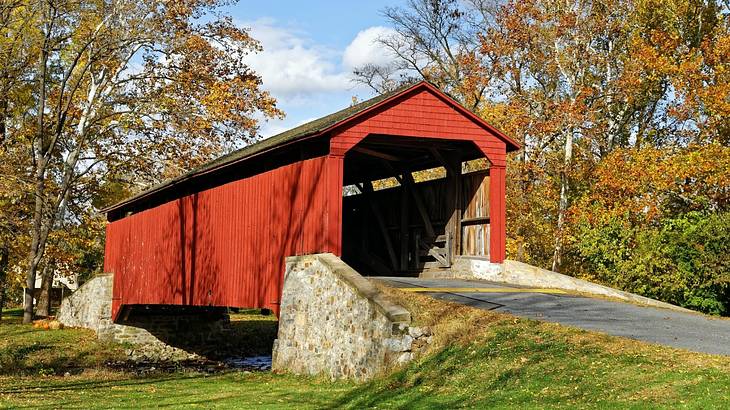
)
(478, 359)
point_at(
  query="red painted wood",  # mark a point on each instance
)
(226, 246)
(423, 114)
(335, 167)
(223, 246)
(497, 213)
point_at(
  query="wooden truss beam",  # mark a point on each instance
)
(446, 164)
(406, 181)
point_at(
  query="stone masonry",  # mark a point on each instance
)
(156, 335)
(335, 322)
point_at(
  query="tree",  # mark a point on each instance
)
(133, 92)
(434, 41)
(16, 62)
(657, 223)
(574, 81)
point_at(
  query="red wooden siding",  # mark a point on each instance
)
(223, 246)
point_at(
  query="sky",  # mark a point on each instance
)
(310, 50)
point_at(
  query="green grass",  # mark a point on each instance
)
(25, 350)
(478, 359)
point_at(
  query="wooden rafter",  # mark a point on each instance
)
(377, 154)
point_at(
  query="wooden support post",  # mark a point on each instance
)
(404, 235)
(497, 215)
(407, 181)
(368, 190)
(454, 194)
(449, 249)
(334, 175)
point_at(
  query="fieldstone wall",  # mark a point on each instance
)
(154, 335)
(90, 306)
(335, 322)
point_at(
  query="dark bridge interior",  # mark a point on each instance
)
(412, 204)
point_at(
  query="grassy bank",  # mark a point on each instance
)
(478, 359)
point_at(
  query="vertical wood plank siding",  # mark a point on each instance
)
(223, 246)
(475, 195)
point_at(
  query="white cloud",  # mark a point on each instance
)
(365, 48)
(291, 64)
(309, 80)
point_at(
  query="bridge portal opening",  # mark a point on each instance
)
(412, 205)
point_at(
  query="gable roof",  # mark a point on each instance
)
(312, 129)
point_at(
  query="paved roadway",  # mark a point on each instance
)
(663, 326)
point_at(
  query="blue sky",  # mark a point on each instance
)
(310, 49)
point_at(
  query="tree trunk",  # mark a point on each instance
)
(563, 204)
(44, 298)
(35, 252)
(41, 162)
(2, 300)
(4, 253)
(3, 115)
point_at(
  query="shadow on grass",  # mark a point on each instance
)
(11, 316)
(453, 377)
(94, 384)
(25, 350)
(46, 358)
(13, 312)
(169, 391)
(411, 387)
(77, 401)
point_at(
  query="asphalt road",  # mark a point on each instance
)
(667, 327)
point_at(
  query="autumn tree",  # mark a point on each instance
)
(131, 92)
(657, 222)
(16, 65)
(433, 41)
(573, 81)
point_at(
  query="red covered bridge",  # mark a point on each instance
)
(219, 235)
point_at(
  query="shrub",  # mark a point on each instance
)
(682, 260)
